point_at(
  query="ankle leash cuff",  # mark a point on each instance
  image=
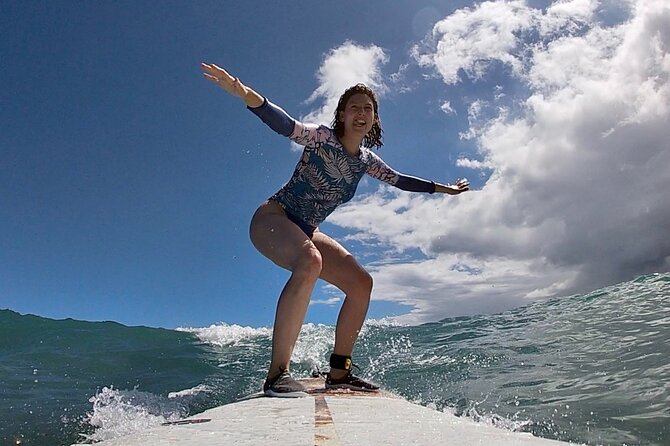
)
(340, 362)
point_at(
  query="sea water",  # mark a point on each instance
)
(592, 369)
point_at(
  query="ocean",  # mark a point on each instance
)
(591, 369)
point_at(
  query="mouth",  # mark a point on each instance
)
(360, 123)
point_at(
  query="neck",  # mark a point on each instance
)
(351, 143)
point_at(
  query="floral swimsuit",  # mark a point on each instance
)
(326, 175)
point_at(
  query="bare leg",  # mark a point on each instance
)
(341, 269)
(281, 241)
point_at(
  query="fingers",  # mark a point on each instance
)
(463, 184)
(211, 78)
(216, 72)
(223, 79)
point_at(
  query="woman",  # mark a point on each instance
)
(285, 228)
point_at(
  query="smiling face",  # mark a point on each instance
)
(357, 115)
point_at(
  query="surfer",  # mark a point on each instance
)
(285, 228)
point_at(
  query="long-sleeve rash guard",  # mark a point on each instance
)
(326, 175)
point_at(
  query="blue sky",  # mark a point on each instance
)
(127, 181)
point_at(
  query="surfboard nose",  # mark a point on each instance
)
(328, 418)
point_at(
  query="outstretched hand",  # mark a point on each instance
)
(461, 186)
(224, 80)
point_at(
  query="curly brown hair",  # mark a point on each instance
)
(374, 136)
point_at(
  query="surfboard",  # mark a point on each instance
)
(327, 418)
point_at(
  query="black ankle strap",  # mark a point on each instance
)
(340, 362)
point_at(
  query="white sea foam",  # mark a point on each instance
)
(498, 421)
(389, 321)
(117, 413)
(491, 419)
(313, 341)
(318, 336)
(225, 335)
(314, 344)
(187, 393)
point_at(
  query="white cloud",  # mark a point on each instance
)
(445, 285)
(569, 15)
(578, 194)
(329, 302)
(469, 39)
(399, 82)
(447, 108)
(342, 68)
(474, 164)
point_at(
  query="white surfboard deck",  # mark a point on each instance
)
(328, 418)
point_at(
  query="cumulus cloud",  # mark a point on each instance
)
(343, 67)
(469, 39)
(577, 196)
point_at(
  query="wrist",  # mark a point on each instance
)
(252, 99)
(445, 189)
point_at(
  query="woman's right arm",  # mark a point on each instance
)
(276, 118)
(272, 115)
(232, 85)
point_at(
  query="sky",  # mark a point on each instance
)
(127, 180)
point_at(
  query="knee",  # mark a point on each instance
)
(368, 283)
(309, 262)
(363, 285)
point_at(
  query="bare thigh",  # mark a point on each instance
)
(340, 268)
(278, 238)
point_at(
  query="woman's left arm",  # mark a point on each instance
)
(377, 168)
